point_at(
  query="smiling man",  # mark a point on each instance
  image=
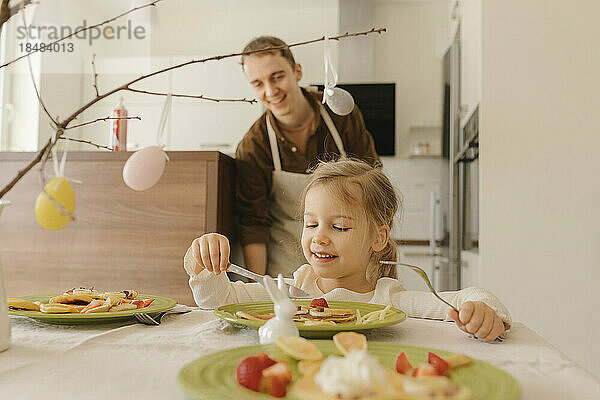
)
(273, 159)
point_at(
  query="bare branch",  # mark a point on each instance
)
(189, 96)
(126, 86)
(7, 12)
(95, 85)
(44, 153)
(100, 119)
(25, 170)
(87, 142)
(37, 92)
(4, 12)
(152, 4)
(45, 157)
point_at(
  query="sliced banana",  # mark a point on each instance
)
(346, 341)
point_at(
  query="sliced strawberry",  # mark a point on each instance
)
(147, 302)
(265, 361)
(138, 303)
(441, 366)
(423, 371)
(402, 364)
(320, 302)
(249, 373)
(280, 370)
(276, 387)
(142, 303)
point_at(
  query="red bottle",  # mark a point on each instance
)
(118, 128)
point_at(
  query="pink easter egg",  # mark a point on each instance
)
(144, 168)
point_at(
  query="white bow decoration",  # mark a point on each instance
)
(338, 100)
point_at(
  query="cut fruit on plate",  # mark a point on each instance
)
(298, 348)
(346, 341)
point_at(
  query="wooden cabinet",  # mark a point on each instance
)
(120, 239)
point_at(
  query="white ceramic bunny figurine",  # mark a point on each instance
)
(283, 322)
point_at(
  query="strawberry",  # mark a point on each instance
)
(276, 387)
(320, 302)
(276, 378)
(249, 373)
(441, 366)
(402, 364)
(280, 370)
(264, 360)
(142, 303)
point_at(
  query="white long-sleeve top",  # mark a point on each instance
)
(212, 291)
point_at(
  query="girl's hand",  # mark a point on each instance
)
(478, 319)
(211, 252)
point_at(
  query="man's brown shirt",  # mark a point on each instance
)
(254, 162)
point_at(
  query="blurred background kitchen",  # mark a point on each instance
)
(520, 219)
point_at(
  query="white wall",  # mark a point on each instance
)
(539, 163)
(407, 55)
(470, 55)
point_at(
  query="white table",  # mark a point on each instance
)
(140, 361)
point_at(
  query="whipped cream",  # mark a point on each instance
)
(357, 374)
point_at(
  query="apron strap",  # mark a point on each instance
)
(332, 130)
(330, 125)
(273, 143)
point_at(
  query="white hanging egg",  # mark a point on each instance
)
(340, 101)
(144, 168)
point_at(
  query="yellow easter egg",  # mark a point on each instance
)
(47, 213)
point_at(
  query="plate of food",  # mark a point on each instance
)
(346, 367)
(88, 305)
(317, 318)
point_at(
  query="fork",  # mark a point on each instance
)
(155, 318)
(424, 276)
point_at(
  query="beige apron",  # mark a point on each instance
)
(284, 250)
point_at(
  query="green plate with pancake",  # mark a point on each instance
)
(213, 376)
(393, 316)
(159, 304)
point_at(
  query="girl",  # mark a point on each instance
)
(348, 209)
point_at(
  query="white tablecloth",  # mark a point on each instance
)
(140, 361)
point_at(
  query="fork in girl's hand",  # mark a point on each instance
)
(424, 276)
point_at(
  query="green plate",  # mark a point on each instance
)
(393, 316)
(160, 304)
(213, 376)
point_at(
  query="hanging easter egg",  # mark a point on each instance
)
(339, 101)
(47, 214)
(144, 168)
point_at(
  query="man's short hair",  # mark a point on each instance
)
(263, 42)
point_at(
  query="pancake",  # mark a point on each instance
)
(312, 316)
(254, 317)
(58, 308)
(22, 304)
(79, 299)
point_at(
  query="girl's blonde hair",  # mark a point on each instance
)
(379, 202)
